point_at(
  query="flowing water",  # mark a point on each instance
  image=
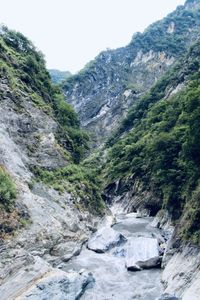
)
(112, 280)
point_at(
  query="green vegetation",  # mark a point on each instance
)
(189, 227)
(161, 149)
(7, 189)
(81, 182)
(172, 78)
(174, 43)
(24, 69)
(157, 145)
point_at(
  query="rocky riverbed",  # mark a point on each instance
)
(121, 260)
(131, 244)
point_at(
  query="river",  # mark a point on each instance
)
(112, 280)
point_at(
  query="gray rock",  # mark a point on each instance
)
(154, 262)
(142, 253)
(105, 239)
(30, 277)
(68, 247)
(98, 95)
(181, 274)
(168, 297)
(60, 286)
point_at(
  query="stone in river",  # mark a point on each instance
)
(154, 262)
(168, 297)
(142, 253)
(105, 239)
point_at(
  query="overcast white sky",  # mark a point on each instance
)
(72, 32)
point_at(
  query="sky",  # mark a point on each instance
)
(70, 33)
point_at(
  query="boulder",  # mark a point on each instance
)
(67, 250)
(59, 286)
(142, 253)
(168, 297)
(105, 239)
(154, 262)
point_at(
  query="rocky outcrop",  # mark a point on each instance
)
(54, 229)
(28, 134)
(103, 92)
(49, 228)
(30, 277)
(105, 239)
(130, 195)
(181, 274)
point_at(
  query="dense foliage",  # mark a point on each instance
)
(7, 188)
(24, 68)
(81, 182)
(161, 39)
(162, 146)
(183, 69)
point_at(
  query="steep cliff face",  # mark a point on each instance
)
(102, 93)
(44, 193)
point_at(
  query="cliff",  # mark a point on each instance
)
(49, 203)
(107, 87)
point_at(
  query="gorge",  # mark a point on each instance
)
(99, 171)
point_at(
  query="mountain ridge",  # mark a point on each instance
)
(103, 92)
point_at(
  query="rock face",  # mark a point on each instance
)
(104, 239)
(103, 92)
(49, 228)
(60, 286)
(142, 253)
(181, 274)
(32, 278)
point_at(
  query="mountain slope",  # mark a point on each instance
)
(40, 137)
(103, 92)
(156, 161)
(49, 202)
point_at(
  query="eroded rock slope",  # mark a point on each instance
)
(103, 92)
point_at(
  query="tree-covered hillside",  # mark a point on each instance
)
(42, 124)
(161, 148)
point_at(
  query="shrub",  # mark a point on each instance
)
(7, 188)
